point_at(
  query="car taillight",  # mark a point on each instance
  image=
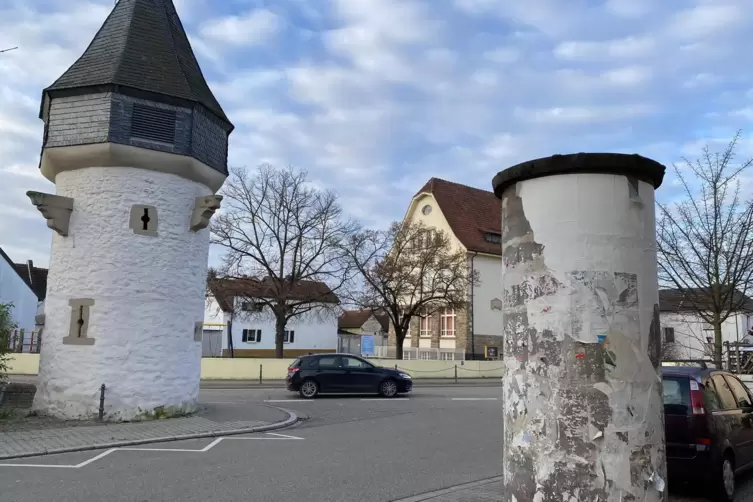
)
(696, 398)
(703, 441)
(294, 370)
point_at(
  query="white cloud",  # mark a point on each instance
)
(251, 28)
(574, 115)
(373, 97)
(621, 48)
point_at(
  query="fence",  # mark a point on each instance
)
(419, 354)
(275, 370)
(739, 357)
(23, 341)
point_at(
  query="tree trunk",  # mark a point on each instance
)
(279, 337)
(400, 339)
(718, 344)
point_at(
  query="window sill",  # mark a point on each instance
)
(448, 337)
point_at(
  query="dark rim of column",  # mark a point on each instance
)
(623, 164)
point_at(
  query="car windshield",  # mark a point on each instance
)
(676, 393)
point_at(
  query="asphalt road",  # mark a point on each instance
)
(348, 448)
(353, 448)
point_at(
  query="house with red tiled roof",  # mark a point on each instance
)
(238, 319)
(472, 218)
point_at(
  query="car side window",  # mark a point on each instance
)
(352, 362)
(709, 396)
(742, 398)
(329, 362)
(726, 397)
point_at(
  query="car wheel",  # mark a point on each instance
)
(725, 491)
(309, 389)
(388, 388)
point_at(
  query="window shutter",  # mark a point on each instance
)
(244, 337)
(292, 336)
(258, 335)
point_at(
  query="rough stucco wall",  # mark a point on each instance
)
(583, 414)
(148, 293)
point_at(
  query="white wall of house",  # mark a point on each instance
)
(310, 331)
(486, 320)
(691, 332)
(14, 290)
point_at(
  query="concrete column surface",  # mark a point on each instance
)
(583, 414)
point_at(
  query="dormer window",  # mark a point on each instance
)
(493, 237)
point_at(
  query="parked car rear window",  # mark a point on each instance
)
(296, 363)
(676, 395)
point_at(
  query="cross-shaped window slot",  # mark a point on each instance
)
(145, 219)
(80, 321)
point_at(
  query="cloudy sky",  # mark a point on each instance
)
(373, 97)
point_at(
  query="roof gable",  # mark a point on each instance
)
(677, 300)
(142, 45)
(225, 290)
(470, 213)
(35, 278)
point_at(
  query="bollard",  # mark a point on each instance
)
(102, 402)
(260, 373)
(396, 367)
(456, 373)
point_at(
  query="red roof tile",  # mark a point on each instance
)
(470, 212)
(224, 290)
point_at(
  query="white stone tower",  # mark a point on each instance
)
(582, 402)
(136, 145)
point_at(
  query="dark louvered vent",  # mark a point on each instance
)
(154, 124)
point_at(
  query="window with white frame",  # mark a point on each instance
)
(424, 326)
(447, 356)
(251, 336)
(288, 336)
(448, 322)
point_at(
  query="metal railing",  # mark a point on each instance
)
(25, 341)
(419, 354)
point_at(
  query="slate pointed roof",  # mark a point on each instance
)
(142, 45)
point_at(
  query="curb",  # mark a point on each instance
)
(292, 419)
(452, 489)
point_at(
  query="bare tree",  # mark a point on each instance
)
(409, 271)
(285, 236)
(704, 240)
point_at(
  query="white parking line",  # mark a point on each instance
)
(475, 399)
(288, 400)
(385, 399)
(111, 450)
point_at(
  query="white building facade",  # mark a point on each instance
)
(252, 334)
(13, 289)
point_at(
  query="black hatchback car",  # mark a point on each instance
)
(344, 374)
(708, 426)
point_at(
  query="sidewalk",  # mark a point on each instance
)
(32, 435)
(487, 490)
